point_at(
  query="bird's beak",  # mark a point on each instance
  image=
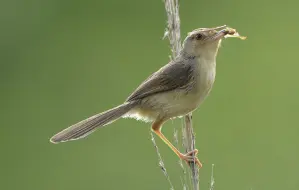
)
(227, 32)
(216, 35)
(220, 34)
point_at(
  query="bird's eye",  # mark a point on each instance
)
(198, 36)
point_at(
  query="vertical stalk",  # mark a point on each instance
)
(174, 35)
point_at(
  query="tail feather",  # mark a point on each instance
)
(89, 125)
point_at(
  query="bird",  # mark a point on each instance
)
(175, 90)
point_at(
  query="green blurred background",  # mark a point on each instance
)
(62, 61)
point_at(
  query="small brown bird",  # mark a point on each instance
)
(175, 90)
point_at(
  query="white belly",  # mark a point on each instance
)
(165, 105)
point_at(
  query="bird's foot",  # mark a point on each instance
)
(189, 158)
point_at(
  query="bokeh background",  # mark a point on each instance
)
(62, 61)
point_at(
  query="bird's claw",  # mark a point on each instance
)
(189, 158)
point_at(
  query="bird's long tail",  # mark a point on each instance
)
(89, 125)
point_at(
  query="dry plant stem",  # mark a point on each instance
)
(161, 163)
(173, 26)
(212, 179)
(189, 146)
(174, 35)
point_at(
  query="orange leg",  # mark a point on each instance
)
(156, 127)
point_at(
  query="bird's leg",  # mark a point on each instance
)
(156, 127)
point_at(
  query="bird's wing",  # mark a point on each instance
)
(172, 76)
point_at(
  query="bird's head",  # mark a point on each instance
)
(204, 41)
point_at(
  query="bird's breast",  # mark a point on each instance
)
(204, 79)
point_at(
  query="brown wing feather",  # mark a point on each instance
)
(171, 76)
